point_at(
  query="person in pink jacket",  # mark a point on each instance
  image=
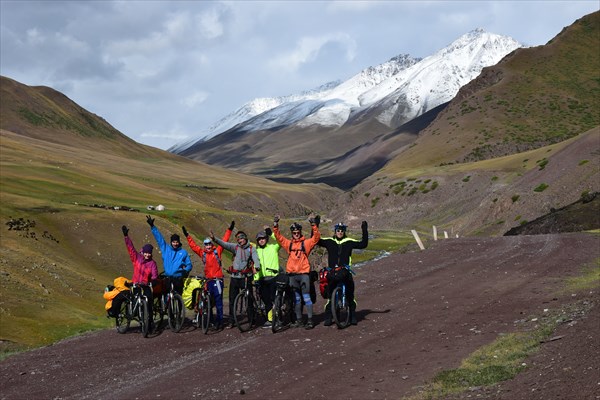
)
(145, 270)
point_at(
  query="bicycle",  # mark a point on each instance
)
(204, 303)
(247, 305)
(172, 306)
(340, 309)
(134, 308)
(283, 305)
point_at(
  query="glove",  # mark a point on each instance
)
(185, 232)
(364, 225)
(311, 219)
(232, 225)
(125, 230)
(317, 220)
(150, 221)
(276, 220)
(268, 231)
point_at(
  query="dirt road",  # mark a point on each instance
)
(419, 313)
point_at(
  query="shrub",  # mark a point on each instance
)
(515, 198)
(583, 162)
(541, 187)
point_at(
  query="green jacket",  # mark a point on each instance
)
(269, 259)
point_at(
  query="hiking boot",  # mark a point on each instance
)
(297, 324)
(231, 325)
(328, 322)
(309, 324)
(267, 325)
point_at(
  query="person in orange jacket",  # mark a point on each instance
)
(298, 266)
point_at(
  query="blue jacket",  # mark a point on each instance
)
(175, 261)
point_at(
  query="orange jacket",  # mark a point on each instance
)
(297, 262)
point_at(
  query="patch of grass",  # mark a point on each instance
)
(589, 280)
(514, 198)
(499, 361)
(467, 178)
(582, 162)
(542, 163)
(541, 187)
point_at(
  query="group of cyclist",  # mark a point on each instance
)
(261, 261)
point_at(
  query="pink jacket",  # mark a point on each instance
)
(144, 271)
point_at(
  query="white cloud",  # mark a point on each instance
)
(308, 48)
(210, 24)
(195, 99)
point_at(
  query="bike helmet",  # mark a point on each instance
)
(261, 235)
(295, 227)
(340, 227)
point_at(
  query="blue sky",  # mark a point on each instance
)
(162, 71)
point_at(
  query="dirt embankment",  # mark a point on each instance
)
(419, 313)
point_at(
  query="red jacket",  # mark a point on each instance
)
(212, 261)
(297, 262)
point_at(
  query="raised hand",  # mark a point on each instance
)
(125, 230)
(185, 232)
(150, 221)
(364, 225)
(232, 225)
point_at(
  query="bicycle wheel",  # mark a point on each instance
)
(198, 310)
(158, 313)
(241, 314)
(122, 321)
(339, 308)
(144, 317)
(206, 313)
(176, 313)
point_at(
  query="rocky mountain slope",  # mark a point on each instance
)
(298, 137)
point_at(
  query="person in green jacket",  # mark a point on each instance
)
(268, 254)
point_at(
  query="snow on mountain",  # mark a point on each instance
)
(437, 78)
(395, 91)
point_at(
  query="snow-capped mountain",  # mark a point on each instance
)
(393, 92)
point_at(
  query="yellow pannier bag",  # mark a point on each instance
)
(189, 285)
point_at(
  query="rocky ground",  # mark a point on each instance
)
(419, 313)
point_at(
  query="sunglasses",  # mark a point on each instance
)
(241, 237)
(208, 243)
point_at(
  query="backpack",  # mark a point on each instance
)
(324, 282)
(249, 263)
(216, 256)
(190, 285)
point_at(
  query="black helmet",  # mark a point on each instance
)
(261, 235)
(340, 227)
(295, 227)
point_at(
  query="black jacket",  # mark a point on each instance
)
(340, 251)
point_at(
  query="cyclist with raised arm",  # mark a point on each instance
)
(245, 260)
(145, 270)
(339, 258)
(211, 257)
(176, 261)
(268, 254)
(298, 266)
